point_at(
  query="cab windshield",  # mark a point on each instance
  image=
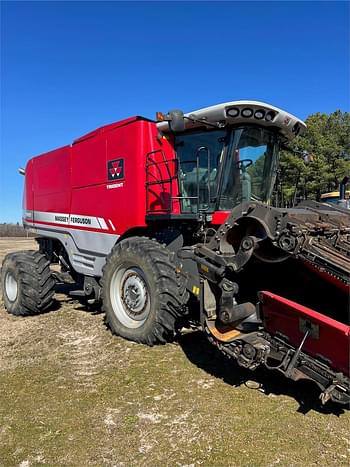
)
(219, 169)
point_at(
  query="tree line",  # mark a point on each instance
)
(13, 230)
(326, 143)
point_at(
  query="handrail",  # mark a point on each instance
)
(150, 162)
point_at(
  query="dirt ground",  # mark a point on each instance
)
(71, 394)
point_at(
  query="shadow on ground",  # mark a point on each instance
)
(84, 305)
(205, 356)
(201, 353)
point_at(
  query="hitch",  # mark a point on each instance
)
(229, 311)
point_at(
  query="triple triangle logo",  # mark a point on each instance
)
(115, 169)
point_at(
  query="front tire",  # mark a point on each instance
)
(141, 292)
(27, 283)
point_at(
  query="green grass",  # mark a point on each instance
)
(74, 395)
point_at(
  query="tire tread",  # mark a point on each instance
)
(35, 282)
(171, 294)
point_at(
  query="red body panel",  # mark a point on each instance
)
(28, 201)
(76, 179)
(52, 181)
(283, 316)
(219, 217)
(329, 278)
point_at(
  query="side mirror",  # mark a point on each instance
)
(176, 120)
(307, 157)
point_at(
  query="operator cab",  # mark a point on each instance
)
(228, 153)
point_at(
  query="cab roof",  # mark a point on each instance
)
(244, 111)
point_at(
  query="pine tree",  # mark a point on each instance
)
(327, 139)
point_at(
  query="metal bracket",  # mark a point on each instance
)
(296, 355)
(305, 325)
(209, 300)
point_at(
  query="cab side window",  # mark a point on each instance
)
(199, 157)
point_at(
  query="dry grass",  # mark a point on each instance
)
(73, 395)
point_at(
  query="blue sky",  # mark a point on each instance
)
(69, 67)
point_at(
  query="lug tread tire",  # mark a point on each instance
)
(36, 285)
(165, 288)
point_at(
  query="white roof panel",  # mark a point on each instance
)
(289, 125)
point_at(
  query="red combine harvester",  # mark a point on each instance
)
(177, 220)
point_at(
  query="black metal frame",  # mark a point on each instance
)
(152, 163)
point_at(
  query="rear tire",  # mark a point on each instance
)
(141, 292)
(27, 283)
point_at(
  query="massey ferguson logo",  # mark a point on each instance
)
(115, 169)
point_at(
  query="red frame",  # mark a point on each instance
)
(281, 315)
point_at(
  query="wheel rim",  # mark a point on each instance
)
(130, 296)
(11, 287)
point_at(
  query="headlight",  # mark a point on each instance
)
(233, 112)
(259, 114)
(270, 116)
(247, 112)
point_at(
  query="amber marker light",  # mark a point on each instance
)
(160, 117)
